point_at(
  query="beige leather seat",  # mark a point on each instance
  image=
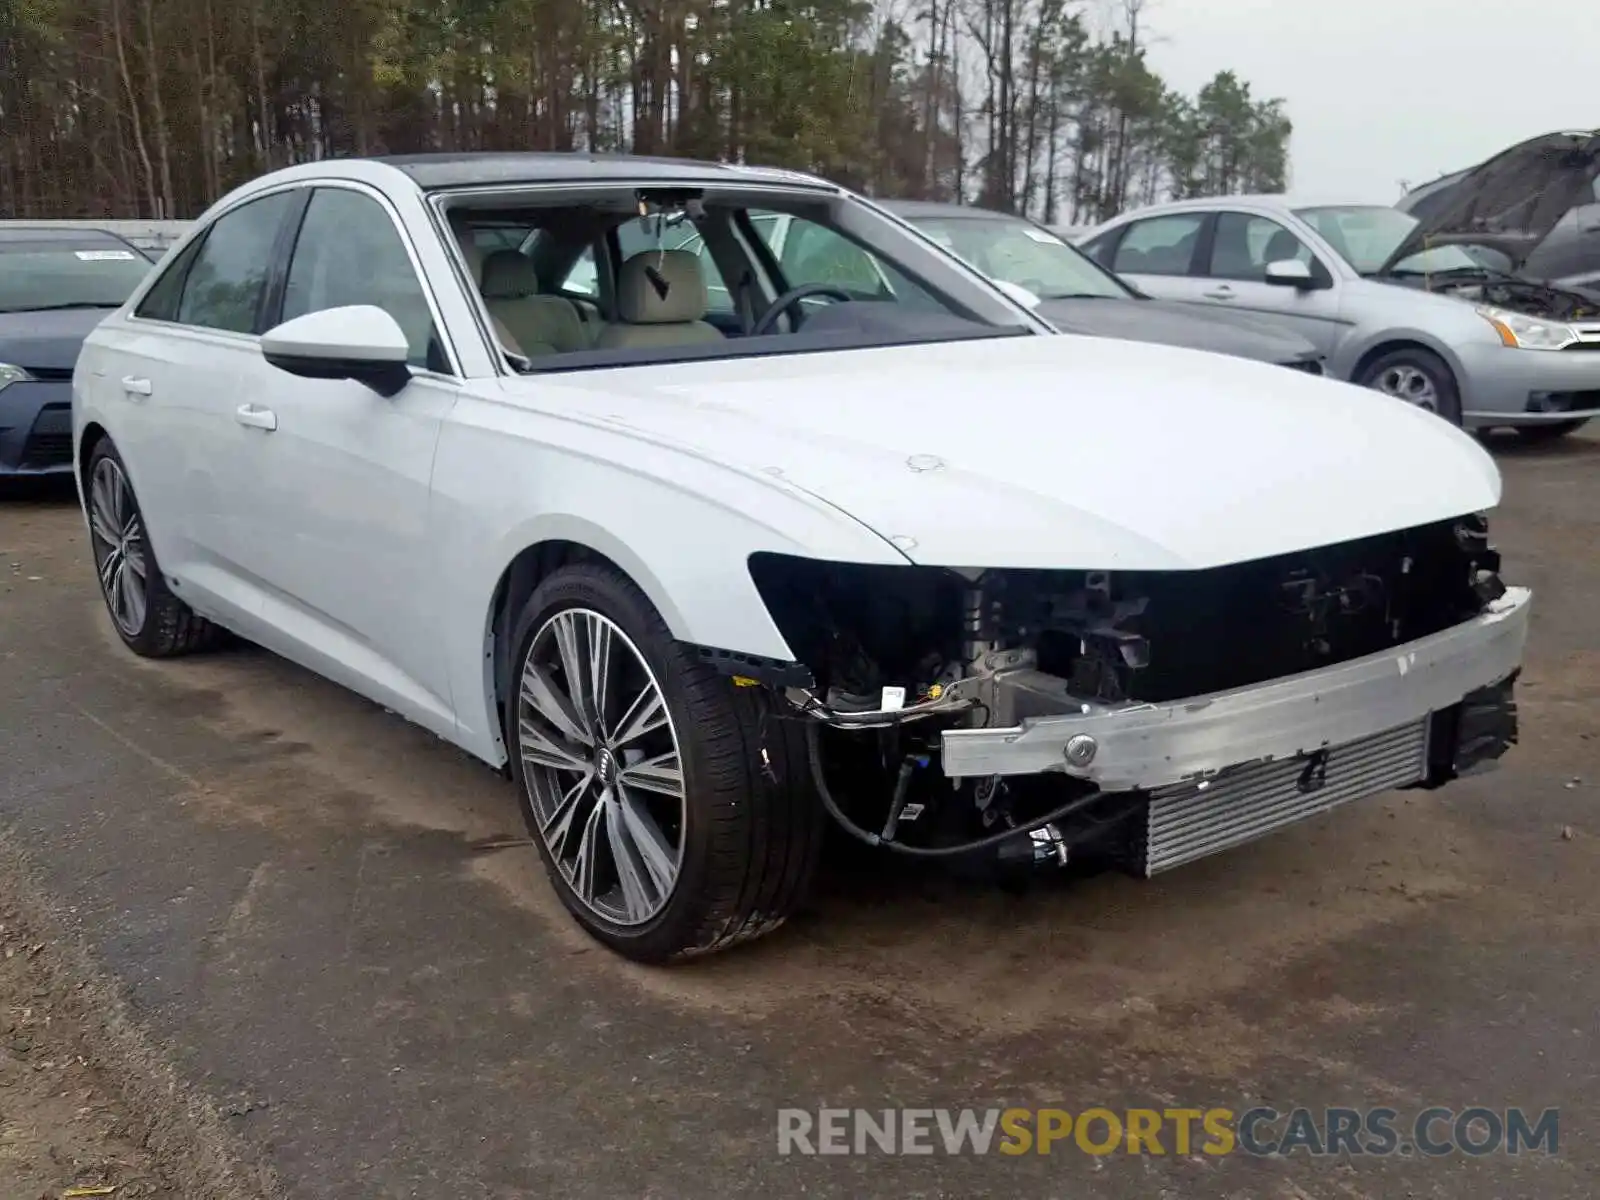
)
(511, 291)
(473, 256)
(661, 298)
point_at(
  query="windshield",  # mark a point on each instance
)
(585, 280)
(1367, 234)
(1019, 252)
(34, 277)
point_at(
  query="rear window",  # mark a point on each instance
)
(36, 275)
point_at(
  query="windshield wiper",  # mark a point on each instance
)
(1478, 272)
(1077, 296)
(62, 307)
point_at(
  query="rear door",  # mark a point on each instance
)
(1157, 254)
(175, 368)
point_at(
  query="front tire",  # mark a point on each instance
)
(674, 811)
(149, 619)
(1417, 376)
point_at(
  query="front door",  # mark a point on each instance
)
(334, 519)
(1233, 276)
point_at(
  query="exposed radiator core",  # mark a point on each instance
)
(1188, 821)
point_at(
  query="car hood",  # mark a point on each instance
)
(1055, 451)
(1174, 323)
(46, 341)
(1511, 201)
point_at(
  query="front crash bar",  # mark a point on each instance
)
(1152, 745)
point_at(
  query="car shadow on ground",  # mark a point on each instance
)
(1505, 444)
(27, 491)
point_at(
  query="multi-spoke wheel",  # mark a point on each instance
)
(148, 617)
(673, 811)
(1417, 376)
(119, 548)
(600, 756)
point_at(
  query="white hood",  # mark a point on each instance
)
(1061, 452)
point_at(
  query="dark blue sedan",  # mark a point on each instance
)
(55, 286)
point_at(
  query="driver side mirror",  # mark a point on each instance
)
(358, 341)
(1290, 272)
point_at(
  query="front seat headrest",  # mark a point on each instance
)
(509, 275)
(661, 287)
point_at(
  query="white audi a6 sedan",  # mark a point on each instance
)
(707, 548)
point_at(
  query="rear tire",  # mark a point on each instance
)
(1538, 435)
(149, 619)
(1417, 376)
(667, 832)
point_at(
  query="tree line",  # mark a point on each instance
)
(154, 108)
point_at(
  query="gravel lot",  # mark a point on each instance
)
(279, 955)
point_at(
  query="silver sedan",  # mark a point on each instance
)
(1433, 326)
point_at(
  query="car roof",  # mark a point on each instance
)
(46, 234)
(937, 208)
(433, 172)
(1269, 201)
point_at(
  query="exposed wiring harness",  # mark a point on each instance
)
(814, 754)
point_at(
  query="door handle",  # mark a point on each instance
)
(256, 418)
(1222, 293)
(136, 387)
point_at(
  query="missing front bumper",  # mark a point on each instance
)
(1147, 747)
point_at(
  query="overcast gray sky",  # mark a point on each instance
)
(1384, 90)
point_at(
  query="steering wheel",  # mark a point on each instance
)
(792, 297)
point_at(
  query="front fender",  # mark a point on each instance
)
(506, 479)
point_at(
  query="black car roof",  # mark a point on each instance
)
(935, 208)
(436, 171)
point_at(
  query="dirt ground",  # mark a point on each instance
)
(64, 1123)
(87, 1107)
(274, 940)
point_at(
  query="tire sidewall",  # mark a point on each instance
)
(1436, 369)
(582, 586)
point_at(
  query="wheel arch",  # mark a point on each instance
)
(93, 434)
(511, 591)
(1391, 340)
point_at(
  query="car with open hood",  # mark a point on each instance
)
(1077, 295)
(1402, 305)
(459, 432)
(55, 286)
(1549, 233)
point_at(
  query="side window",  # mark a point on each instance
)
(349, 252)
(1099, 248)
(225, 285)
(161, 302)
(814, 253)
(1245, 244)
(582, 279)
(1159, 245)
(1571, 249)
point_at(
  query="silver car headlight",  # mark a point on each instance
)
(10, 374)
(1523, 332)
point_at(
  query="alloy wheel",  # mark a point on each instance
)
(1411, 384)
(117, 536)
(602, 767)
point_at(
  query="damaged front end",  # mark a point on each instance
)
(1148, 718)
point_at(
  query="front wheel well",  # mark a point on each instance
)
(93, 434)
(1389, 347)
(511, 592)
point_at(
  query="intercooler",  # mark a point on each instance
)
(1189, 821)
